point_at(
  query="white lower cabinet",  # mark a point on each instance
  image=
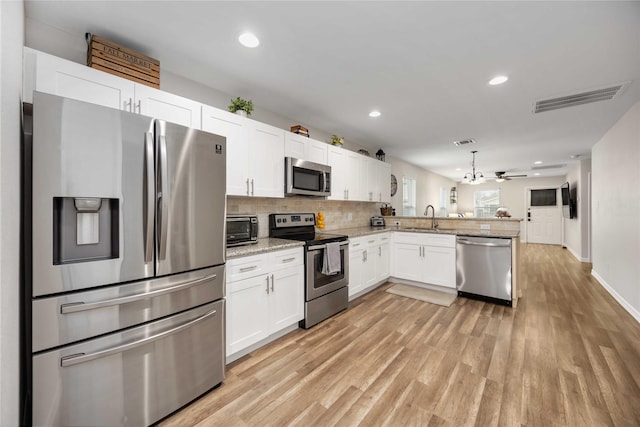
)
(368, 261)
(265, 294)
(426, 258)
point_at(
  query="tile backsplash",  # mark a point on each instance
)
(338, 214)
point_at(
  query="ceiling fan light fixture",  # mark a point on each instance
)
(500, 179)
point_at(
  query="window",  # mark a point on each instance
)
(408, 197)
(486, 202)
(444, 197)
(545, 197)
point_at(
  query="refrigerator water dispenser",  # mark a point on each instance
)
(84, 229)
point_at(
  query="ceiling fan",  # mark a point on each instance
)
(502, 176)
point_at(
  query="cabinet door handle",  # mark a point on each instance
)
(288, 260)
(139, 106)
(252, 187)
(371, 241)
(267, 285)
(248, 194)
(128, 105)
(379, 250)
(272, 283)
(245, 269)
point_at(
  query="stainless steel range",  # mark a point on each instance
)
(326, 265)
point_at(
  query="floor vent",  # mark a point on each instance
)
(601, 94)
(464, 142)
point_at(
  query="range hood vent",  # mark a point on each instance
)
(595, 95)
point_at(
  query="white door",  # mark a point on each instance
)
(356, 268)
(167, 106)
(231, 126)
(407, 261)
(267, 160)
(244, 297)
(544, 223)
(286, 298)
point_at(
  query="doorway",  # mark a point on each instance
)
(544, 215)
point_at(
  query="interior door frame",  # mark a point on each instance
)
(525, 228)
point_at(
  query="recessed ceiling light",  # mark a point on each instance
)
(248, 40)
(537, 162)
(375, 113)
(458, 169)
(498, 80)
(536, 174)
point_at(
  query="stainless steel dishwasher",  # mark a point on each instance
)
(483, 268)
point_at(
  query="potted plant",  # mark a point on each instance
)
(241, 106)
(337, 140)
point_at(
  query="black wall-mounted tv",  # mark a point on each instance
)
(569, 198)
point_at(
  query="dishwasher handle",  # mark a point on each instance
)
(486, 244)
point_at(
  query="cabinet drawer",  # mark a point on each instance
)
(447, 241)
(358, 243)
(286, 258)
(406, 237)
(245, 267)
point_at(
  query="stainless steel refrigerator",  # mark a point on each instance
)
(124, 258)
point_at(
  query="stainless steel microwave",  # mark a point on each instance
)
(306, 178)
(242, 230)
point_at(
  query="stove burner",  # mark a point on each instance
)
(300, 227)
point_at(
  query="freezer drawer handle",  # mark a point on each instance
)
(81, 306)
(76, 359)
(493, 245)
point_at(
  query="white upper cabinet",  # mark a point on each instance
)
(266, 160)
(255, 153)
(337, 158)
(301, 147)
(57, 76)
(235, 129)
(167, 106)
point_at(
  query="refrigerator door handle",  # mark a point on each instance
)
(149, 202)
(81, 358)
(163, 197)
(75, 307)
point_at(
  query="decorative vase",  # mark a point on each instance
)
(241, 113)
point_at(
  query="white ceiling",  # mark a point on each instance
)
(424, 65)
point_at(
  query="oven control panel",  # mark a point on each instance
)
(293, 220)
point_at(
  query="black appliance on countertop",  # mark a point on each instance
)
(325, 295)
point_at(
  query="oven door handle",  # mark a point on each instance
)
(320, 247)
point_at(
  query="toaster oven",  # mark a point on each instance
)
(242, 230)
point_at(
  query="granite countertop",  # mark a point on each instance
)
(366, 231)
(264, 245)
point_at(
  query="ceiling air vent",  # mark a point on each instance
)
(464, 142)
(548, 167)
(595, 95)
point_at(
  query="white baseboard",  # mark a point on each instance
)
(237, 355)
(576, 255)
(630, 309)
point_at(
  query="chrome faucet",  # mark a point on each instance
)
(434, 224)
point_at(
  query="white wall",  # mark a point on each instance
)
(512, 194)
(11, 42)
(615, 209)
(427, 186)
(576, 230)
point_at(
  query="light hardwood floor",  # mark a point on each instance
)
(568, 355)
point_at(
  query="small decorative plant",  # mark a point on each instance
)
(240, 104)
(337, 140)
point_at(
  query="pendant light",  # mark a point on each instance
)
(474, 177)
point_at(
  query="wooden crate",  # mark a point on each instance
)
(114, 59)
